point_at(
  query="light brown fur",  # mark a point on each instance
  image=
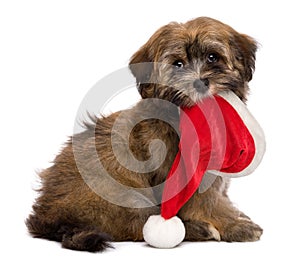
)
(67, 210)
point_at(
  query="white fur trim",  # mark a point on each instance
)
(161, 233)
(255, 130)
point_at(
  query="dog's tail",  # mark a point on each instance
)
(75, 237)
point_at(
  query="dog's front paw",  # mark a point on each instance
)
(242, 230)
(200, 231)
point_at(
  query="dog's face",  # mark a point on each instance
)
(189, 61)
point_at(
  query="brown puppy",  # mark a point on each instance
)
(185, 63)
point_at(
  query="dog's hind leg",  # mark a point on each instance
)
(86, 239)
(71, 235)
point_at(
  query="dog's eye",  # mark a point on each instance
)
(212, 58)
(178, 64)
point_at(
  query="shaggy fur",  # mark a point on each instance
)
(187, 62)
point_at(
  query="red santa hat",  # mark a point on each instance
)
(218, 135)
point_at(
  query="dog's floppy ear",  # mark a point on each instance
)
(141, 66)
(141, 71)
(245, 50)
(143, 61)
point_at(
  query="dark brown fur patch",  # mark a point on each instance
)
(86, 239)
(72, 235)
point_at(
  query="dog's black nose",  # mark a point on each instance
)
(200, 85)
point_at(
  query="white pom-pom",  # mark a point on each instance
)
(161, 233)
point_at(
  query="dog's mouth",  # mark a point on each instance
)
(193, 92)
(189, 96)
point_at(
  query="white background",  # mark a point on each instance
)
(53, 52)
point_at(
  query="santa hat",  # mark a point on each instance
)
(218, 135)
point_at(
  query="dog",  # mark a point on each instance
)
(185, 63)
